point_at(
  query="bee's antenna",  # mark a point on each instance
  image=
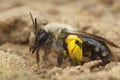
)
(34, 21)
(35, 24)
(32, 18)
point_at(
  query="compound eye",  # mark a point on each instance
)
(42, 37)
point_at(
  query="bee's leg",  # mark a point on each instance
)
(37, 57)
(60, 59)
(47, 49)
(72, 61)
(45, 58)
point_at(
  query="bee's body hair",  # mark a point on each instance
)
(54, 27)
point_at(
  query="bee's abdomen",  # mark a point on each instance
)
(98, 50)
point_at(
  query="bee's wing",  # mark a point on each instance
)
(98, 38)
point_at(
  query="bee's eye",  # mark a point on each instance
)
(41, 38)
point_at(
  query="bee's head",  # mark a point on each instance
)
(37, 37)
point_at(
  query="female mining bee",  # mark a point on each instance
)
(67, 42)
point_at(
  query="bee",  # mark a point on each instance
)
(69, 43)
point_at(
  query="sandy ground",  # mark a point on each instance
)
(100, 17)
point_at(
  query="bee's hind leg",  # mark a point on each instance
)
(72, 61)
